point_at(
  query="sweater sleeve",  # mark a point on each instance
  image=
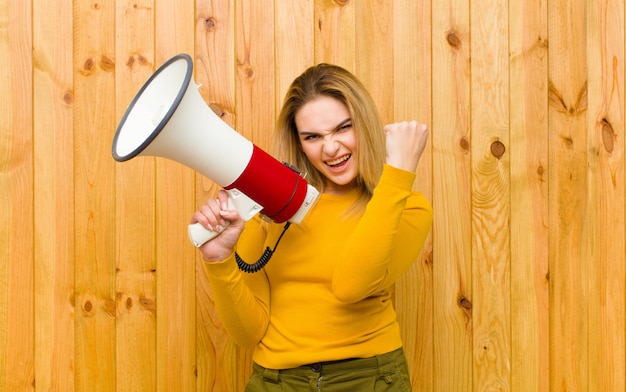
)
(387, 239)
(241, 299)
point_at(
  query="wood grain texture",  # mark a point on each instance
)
(94, 195)
(135, 258)
(374, 52)
(16, 190)
(335, 35)
(294, 42)
(529, 196)
(412, 101)
(490, 184)
(53, 195)
(568, 195)
(604, 265)
(452, 258)
(255, 83)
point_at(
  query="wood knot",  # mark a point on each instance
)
(542, 42)
(107, 64)
(143, 60)
(558, 103)
(568, 141)
(465, 303)
(342, 3)
(217, 109)
(465, 145)
(497, 149)
(147, 304)
(248, 71)
(608, 135)
(68, 97)
(453, 39)
(87, 307)
(540, 173)
(88, 67)
(137, 58)
(210, 24)
(109, 307)
(129, 303)
(428, 260)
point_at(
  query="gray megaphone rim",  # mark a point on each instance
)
(168, 114)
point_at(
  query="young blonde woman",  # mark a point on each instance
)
(319, 315)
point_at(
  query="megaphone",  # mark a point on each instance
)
(168, 118)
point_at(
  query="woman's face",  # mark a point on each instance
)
(329, 142)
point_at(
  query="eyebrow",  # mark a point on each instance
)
(341, 124)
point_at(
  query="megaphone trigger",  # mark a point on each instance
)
(246, 207)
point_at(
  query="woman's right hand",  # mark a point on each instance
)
(214, 215)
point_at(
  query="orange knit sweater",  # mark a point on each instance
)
(324, 295)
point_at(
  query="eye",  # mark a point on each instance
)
(311, 137)
(344, 127)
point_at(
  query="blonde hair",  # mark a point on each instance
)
(336, 82)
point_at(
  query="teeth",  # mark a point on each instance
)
(338, 161)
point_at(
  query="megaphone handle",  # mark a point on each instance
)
(247, 208)
(199, 235)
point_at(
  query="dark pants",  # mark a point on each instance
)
(387, 372)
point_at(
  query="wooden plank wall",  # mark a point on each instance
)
(521, 285)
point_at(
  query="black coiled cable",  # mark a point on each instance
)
(263, 260)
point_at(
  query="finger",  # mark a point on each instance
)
(211, 211)
(222, 199)
(201, 218)
(233, 217)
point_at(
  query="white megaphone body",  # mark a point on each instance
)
(168, 118)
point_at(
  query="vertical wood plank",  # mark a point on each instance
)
(215, 70)
(294, 43)
(412, 97)
(255, 87)
(135, 211)
(53, 195)
(175, 202)
(567, 190)
(374, 52)
(16, 184)
(529, 195)
(452, 262)
(94, 192)
(604, 274)
(490, 196)
(335, 36)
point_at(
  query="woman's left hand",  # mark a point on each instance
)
(405, 143)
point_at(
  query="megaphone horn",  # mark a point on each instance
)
(168, 118)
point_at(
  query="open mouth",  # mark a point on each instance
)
(339, 161)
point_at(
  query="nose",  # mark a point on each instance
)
(330, 146)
